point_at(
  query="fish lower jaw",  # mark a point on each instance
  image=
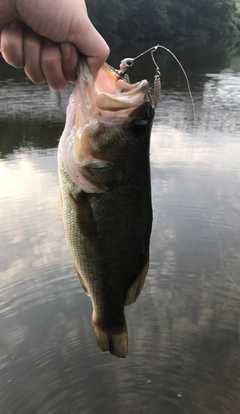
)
(123, 101)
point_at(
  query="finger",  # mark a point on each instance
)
(51, 63)
(97, 56)
(90, 43)
(69, 61)
(32, 53)
(12, 44)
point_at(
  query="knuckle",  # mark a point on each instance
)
(31, 43)
(15, 61)
(37, 79)
(18, 63)
(11, 44)
(50, 55)
(58, 84)
(34, 75)
(106, 51)
(70, 72)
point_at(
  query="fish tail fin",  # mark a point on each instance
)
(111, 338)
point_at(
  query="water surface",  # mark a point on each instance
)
(184, 352)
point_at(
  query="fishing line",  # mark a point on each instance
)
(184, 72)
(125, 65)
(191, 160)
(191, 177)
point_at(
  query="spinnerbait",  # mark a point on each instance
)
(127, 63)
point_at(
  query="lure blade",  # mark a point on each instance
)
(156, 89)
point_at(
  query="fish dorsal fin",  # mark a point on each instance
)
(135, 289)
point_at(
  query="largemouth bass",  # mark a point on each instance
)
(104, 176)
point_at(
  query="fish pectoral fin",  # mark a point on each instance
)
(103, 177)
(85, 217)
(135, 289)
(111, 338)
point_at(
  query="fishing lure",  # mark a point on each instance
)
(127, 63)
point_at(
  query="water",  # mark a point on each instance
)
(184, 353)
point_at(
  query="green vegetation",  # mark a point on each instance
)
(138, 20)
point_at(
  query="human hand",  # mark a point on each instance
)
(44, 37)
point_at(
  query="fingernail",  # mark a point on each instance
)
(66, 50)
(14, 25)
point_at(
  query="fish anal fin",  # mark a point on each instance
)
(135, 289)
(82, 281)
(113, 339)
(103, 177)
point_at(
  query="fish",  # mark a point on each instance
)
(105, 186)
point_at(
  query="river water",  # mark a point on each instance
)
(184, 345)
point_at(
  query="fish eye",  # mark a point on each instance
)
(139, 126)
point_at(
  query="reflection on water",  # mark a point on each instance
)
(184, 354)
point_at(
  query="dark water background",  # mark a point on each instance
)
(184, 350)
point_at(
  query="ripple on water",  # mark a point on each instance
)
(183, 346)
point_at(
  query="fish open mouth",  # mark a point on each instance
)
(107, 98)
(117, 94)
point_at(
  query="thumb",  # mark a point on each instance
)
(90, 43)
